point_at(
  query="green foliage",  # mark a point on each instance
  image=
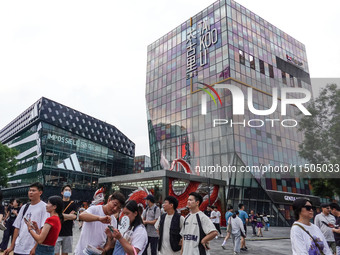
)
(322, 138)
(7, 163)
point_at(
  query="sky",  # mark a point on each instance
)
(91, 55)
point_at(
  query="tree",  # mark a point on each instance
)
(7, 163)
(321, 144)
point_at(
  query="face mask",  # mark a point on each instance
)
(67, 194)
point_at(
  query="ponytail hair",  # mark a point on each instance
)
(58, 202)
(132, 206)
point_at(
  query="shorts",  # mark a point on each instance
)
(259, 225)
(65, 243)
(245, 228)
(44, 250)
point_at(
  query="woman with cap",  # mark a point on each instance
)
(306, 238)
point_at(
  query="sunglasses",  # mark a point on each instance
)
(309, 207)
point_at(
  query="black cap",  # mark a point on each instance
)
(151, 198)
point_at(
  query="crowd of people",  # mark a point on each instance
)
(46, 228)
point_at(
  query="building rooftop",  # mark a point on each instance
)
(71, 120)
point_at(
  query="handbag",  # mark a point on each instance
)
(316, 243)
(229, 226)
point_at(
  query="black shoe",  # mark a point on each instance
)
(243, 249)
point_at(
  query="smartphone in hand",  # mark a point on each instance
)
(26, 220)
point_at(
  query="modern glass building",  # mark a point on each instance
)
(59, 145)
(196, 75)
(141, 164)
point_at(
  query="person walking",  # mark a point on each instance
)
(325, 221)
(208, 211)
(22, 241)
(169, 226)
(95, 220)
(228, 214)
(244, 217)
(65, 240)
(305, 237)
(266, 222)
(259, 224)
(216, 219)
(47, 237)
(253, 221)
(12, 213)
(134, 240)
(198, 229)
(150, 216)
(237, 230)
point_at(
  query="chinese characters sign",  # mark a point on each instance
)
(207, 38)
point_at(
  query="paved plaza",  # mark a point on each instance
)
(275, 241)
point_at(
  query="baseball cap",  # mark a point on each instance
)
(150, 197)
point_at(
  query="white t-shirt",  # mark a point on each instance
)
(166, 247)
(25, 242)
(190, 232)
(213, 214)
(320, 221)
(236, 225)
(137, 238)
(218, 217)
(302, 243)
(93, 233)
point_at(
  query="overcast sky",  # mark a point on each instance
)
(91, 55)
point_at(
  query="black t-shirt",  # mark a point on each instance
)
(66, 227)
(12, 216)
(208, 213)
(2, 210)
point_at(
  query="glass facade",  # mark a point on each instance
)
(141, 164)
(56, 155)
(228, 44)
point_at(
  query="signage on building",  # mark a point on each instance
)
(207, 38)
(75, 142)
(293, 60)
(279, 197)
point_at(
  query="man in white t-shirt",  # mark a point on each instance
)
(198, 229)
(169, 226)
(326, 221)
(216, 219)
(96, 219)
(22, 241)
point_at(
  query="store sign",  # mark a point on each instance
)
(207, 38)
(191, 54)
(289, 198)
(293, 60)
(281, 197)
(75, 142)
